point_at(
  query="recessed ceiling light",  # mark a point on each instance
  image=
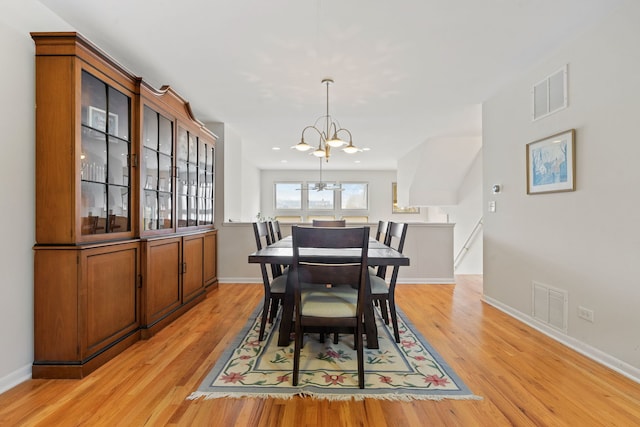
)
(283, 161)
(366, 149)
(275, 148)
(356, 161)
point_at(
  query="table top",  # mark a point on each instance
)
(281, 252)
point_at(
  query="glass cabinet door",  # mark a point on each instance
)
(195, 162)
(104, 158)
(187, 191)
(205, 193)
(156, 166)
(182, 184)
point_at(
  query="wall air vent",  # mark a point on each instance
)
(550, 94)
(550, 305)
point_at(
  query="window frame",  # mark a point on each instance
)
(305, 212)
(288, 211)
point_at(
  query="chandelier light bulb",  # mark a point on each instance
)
(319, 152)
(302, 146)
(350, 149)
(335, 141)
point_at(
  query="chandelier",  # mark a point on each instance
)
(328, 134)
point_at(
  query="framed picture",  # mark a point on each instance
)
(98, 120)
(400, 209)
(551, 164)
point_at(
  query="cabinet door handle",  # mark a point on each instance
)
(184, 267)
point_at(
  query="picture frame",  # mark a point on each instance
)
(551, 164)
(98, 120)
(400, 209)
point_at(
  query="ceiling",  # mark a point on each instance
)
(405, 71)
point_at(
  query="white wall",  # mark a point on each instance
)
(466, 215)
(17, 216)
(242, 180)
(588, 241)
(432, 173)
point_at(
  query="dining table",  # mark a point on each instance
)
(281, 252)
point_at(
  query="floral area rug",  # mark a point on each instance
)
(405, 371)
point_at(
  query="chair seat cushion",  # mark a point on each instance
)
(279, 284)
(328, 302)
(378, 285)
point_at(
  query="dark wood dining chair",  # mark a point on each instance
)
(383, 293)
(329, 223)
(274, 230)
(276, 235)
(274, 287)
(381, 232)
(330, 293)
(381, 236)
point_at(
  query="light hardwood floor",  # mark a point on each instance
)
(525, 378)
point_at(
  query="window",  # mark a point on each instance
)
(319, 199)
(288, 195)
(355, 196)
(303, 199)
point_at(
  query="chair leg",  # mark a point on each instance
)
(273, 310)
(394, 317)
(298, 341)
(383, 310)
(336, 337)
(263, 321)
(360, 352)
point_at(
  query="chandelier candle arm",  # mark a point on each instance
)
(302, 145)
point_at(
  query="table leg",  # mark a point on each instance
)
(287, 314)
(370, 319)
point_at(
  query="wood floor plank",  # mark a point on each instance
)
(524, 377)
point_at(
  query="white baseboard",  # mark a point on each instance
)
(14, 378)
(239, 280)
(593, 353)
(427, 281)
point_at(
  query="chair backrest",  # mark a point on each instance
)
(381, 232)
(261, 231)
(262, 235)
(312, 268)
(396, 235)
(274, 230)
(329, 223)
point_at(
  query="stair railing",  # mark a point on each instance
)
(467, 244)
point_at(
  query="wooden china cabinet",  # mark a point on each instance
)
(177, 198)
(125, 239)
